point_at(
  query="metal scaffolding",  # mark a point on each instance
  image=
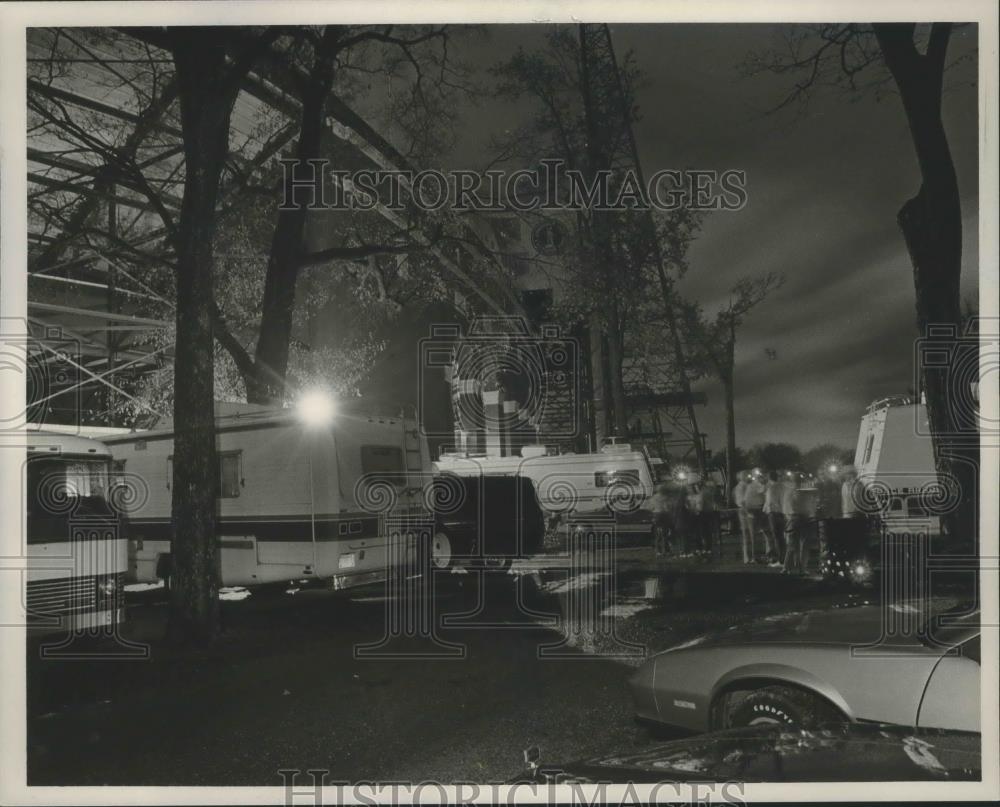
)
(105, 177)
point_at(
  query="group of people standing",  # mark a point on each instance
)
(784, 508)
(686, 518)
(776, 511)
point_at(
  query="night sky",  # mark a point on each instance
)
(824, 189)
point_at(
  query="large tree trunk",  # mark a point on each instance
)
(931, 223)
(206, 100)
(267, 385)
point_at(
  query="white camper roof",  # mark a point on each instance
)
(56, 443)
(894, 445)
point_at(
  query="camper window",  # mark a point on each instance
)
(603, 479)
(229, 474)
(868, 449)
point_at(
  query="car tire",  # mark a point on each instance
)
(781, 705)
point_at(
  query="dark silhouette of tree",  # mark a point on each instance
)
(326, 52)
(878, 58)
(210, 66)
(713, 341)
(822, 455)
(775, 456)
(618, 261)
(102, 159)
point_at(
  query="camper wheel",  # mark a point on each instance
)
(441, 555)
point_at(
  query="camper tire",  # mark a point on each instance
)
(441, 550)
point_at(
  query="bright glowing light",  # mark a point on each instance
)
(861, 571)
(315, 408)
(788, 473)
(832, 468)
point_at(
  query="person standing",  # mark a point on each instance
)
(681, 517)
(739, 499)
(773, 494)
(829, 493)
(660, 506)
(754, 504)
(694, 510)
(708, 518)
(797, 508)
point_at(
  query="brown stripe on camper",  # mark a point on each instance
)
(291, 528)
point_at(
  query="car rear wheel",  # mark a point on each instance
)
(779, 705)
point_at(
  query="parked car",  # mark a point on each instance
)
(816, 667)
(488, 520)
(851, 752)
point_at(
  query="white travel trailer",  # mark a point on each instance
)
(337, 501)
(617, 479)
(894, 459)
(75, 547)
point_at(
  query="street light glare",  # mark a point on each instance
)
(315, 408)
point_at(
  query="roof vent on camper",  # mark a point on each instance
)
(533, 451)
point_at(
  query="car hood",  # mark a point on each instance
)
(847, 626)
(839, 752)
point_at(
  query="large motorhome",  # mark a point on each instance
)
(894, 459)
(339, 502)
(616, 481)
(75, 547)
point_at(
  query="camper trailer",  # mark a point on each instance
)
(615, 481)
(900, 492)
(339, 500)
(894, 460)
(75, 543)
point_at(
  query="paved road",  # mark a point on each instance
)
(284, 688)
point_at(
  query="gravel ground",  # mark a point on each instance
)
(284, 689)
